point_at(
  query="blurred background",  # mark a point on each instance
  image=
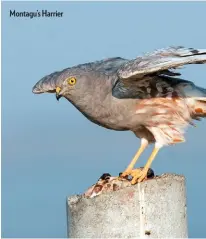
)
(50, 150)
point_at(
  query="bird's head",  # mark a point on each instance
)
(69, 83)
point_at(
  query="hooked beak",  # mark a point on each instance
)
(58, 96)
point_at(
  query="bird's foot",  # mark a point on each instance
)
(136, 175)
(126, 173)
(141, 174)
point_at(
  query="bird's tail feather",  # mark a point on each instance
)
(200, 103)
(200, 107)
(196, 99)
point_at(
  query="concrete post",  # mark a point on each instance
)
(155, 208)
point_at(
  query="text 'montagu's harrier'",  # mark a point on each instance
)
(143, 95)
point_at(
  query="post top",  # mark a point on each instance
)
(158, 183)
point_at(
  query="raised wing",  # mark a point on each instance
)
(161, 60)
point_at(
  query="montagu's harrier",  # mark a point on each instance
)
(144, 95)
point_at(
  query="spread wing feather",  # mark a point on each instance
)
(161, 60)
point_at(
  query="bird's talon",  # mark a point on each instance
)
(136, 174)
(141, 179)
(125, 174)
(139, 175)
(143, 176)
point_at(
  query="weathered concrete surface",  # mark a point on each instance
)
(153, 209)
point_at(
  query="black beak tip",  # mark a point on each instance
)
(58, 96)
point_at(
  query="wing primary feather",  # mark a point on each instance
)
(162, 60)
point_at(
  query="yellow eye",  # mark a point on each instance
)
(72, 81)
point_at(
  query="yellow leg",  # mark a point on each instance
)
(144, 144)
(140, 176)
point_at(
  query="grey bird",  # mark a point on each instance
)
(144, 95)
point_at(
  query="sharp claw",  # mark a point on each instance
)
(125, 174)
(138, 175)
(141, 174)
(141, 179)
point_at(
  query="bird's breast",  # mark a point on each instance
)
(108, 121)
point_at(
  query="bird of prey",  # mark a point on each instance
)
(144, 95)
